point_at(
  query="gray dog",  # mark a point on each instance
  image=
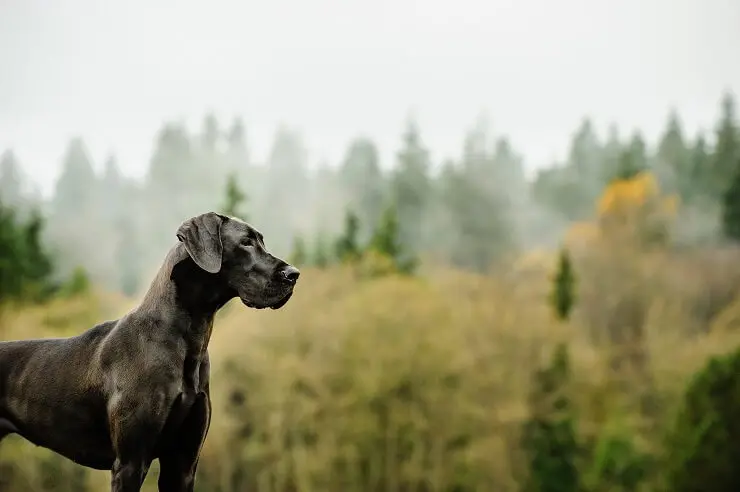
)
(129, 391)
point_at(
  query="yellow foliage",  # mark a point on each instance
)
(630, 211)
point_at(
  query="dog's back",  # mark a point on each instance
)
(52, 385)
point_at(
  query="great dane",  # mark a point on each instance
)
(129, 391)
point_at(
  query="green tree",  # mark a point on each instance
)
(128, 253)
(701, 173)
(11, 180)
(702, 444)
(26, 267)
(234, 198)
(410, 188)
(299, 256)
(731, 208)
(549, 437)
(347, 247)
(11, 255)
(673, 159)
(563, 294)
(632, 159)
(617, 465)
(479, 197)
(281, 205)
(386, 241)
(77, 188)
(362, 183)
(321, 251)
(112, 188)
(727, 148)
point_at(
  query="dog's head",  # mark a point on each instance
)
(235, 252)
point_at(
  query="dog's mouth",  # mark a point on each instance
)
(272, 304)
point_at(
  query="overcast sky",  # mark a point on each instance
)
(114, 71)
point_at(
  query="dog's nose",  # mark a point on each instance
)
(290, 273)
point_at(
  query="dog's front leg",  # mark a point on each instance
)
(128, 475)
(179, 460)
(135, 428)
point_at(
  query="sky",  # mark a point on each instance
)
(113, 72)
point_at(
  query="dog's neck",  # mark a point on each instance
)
(192, 295)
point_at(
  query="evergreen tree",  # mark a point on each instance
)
(26, 267)
(611, 154)
(703, 439)
(563, 294)
(78, 213)
(411, 188)
(321, 251)
(112, 189)
(701, 174)
(11, 180)
(480, 197)
(386, 241)
(362, 182)
(287, 185)
(727, 148)
(299, 256)
(632, 159)
(347, 246)
(77, 189)
(11, 255)
(585, 153)
(673, 162)
(731, 208)
(234, 198)
(128, 251)
(210, 133)
(549, 437)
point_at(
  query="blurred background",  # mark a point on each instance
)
(517, 224)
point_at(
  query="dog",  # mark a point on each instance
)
(136, 389)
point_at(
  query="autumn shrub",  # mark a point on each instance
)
(393, 382)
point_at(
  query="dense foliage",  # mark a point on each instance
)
(438, 340)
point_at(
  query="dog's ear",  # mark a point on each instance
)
(201, 236)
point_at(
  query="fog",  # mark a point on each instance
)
(307, 79)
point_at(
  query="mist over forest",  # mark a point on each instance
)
(517, 226)
(474, 212)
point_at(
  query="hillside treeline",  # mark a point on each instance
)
(454, 331)
(472, 212)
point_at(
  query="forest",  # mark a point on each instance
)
(459, 326)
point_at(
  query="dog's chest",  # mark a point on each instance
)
(194, 378)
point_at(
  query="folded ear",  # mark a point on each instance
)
(201, 236)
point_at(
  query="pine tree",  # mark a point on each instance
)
(362, 183)
(480, 196)
(549, 436)
(299, 256)
(632, 159)
(673, 163)
(563, 294)
(26, 267)
(704, 454)
(731, 208)
(321, 251)
(701, 173)
(11, 180)
(347, 247)
(727, 148)
(411, 188)
(234, 198)
(386, 241)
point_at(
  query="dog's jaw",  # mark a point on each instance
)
(276, 304)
